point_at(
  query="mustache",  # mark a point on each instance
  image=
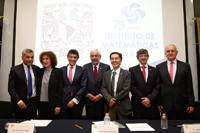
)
(94, 60)
(29, 61)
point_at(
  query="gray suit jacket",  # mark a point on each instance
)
(122, 93)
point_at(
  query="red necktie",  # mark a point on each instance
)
(144, 72)
(95, 74)
(171, 71)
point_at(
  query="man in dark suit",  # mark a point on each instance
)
(145, 85)
(74, 87)
(94, 101)
(115, 89)
(177, 96)
(22, 87)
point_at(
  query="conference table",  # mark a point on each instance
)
(68, 126)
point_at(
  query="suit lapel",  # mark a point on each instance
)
(66, 73)
(149, 73)
(165, 70)
(178, 69)
(23, 73)
(140, 73)
(52, 76)
(99, 71)
(91, 73)
(76, 73)
(121, 76)
(109, 80)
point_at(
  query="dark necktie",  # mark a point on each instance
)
(29, 82)
(113, 84)
(95, 74)
(144, 72)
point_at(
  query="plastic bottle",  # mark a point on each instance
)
(164, 121)
(107, 119)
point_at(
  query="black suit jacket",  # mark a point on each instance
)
(17, 84)
(140, 88)
(122, 94)
(180, 93)
(78, 86)
(55, 86)
(92, 87)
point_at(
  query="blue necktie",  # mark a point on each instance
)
(29, 82)
(113, 84)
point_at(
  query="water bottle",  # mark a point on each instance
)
(164, 121)
(107, 119)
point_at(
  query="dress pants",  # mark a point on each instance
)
(46, 111)
(28, 113)
(115, 114)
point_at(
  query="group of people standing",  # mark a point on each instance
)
(64, 91)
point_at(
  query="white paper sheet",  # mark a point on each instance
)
(38, 123)
(102, 123)
(139, 127)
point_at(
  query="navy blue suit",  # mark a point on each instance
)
(95, 110)
(78, 87)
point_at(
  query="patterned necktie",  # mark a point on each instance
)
(29, 82)
(171, 71)
(95, 74)
(113, 84)
(144, 72)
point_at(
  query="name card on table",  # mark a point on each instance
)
(190, 128)
(21, 128)
(105, 128)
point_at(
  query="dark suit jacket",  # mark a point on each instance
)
(122, 93)
(78, 86)
(55, 86)
(92, 87)
(17, 84)
(140, 88)
(180, 93)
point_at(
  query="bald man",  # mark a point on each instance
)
(177, 96)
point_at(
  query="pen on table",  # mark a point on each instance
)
(78, 126)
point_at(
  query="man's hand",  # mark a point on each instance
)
(97, 98)
(146, 102)
(90, 96)
(190, 110)
(70, 104)
(160, 108)
(57, 110)
(22, 105)
(111, 102)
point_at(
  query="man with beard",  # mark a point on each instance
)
(22, 87)
(94, 100)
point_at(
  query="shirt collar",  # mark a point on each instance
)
(169, 62)
(74, 67)
(117, 71)
(96, 65)
(25, 66)
(145, 65)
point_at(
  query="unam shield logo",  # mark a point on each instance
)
(134, 13)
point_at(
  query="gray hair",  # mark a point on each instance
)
(169, 45)
(95, 50)
(26, 51)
